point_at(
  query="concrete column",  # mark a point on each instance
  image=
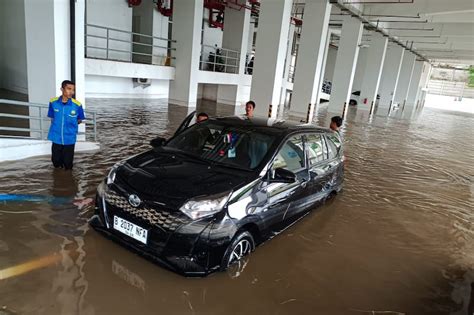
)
(360, 71)
(291, 36)
(187, 23)
(373, 72)
(330, 63)
(286, 72)
(80, 78)
(390, 75)
(321, 76)
(143, 13)
(425, 76)
(236, 33)
(48, 51)
(310, 57)
(274, 23)
(415, 83)
(408, 63)
(345, 64)
(235, 37)
(47, 48)
(250, 38)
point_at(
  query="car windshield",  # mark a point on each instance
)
(233, 146)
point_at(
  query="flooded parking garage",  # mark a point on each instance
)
(399, 239)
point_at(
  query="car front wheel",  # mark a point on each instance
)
(242, 245)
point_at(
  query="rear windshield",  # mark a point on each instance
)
(223, 144)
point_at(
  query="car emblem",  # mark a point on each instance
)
(134, 200)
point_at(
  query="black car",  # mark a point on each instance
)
(202, 200)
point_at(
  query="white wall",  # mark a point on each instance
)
(209, 91)
(116, 87)
(113, 14)
(13, 65)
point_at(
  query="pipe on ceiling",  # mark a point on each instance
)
(373, 27)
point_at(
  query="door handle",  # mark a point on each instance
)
(303, 183)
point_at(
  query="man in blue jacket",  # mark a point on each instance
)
(66, 114)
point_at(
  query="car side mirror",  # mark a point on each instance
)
(157, 142)
(281, 175)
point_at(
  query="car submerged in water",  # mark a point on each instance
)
(202, 200)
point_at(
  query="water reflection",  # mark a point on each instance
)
(399, 239)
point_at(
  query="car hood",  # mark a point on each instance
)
(171, 178)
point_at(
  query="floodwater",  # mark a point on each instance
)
(399, 239)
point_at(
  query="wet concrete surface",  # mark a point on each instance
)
(399, 239)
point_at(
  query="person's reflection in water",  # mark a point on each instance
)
(65, 213)
(66, 222)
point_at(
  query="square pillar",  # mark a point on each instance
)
(373, 72)
(311, 53)
(390, 75)
(187, 23)
(270, 51)
(346, 62)
(406, 71)
(236, 33)
(415, 83)
(425, 76)
(48, 53)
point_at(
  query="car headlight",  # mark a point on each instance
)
(113, 173)
(204, 206)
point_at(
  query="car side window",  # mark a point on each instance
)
(334, 142)
(331, 148)
(291, 155)
(316, 149)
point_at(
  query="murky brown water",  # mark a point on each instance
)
(398, 240)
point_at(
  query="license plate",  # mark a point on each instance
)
(130, 229)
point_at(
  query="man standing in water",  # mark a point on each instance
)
(336, 123)
(66, 114)
(249, 108)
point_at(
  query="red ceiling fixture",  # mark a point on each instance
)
(165, 7)
(217, 9)
(134, 3)
(216, 13)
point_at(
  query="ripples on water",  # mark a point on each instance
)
(399, 238)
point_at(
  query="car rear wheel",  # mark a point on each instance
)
(242, 245)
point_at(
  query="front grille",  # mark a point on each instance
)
(167, 220)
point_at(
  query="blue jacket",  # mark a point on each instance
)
(64, 124)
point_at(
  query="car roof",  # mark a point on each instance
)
(270, 124)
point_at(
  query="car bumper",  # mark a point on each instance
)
(183, 246)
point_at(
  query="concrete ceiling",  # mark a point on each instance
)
(440, 30)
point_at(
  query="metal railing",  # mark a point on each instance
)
(114, 44)
(218, 59)
(38, 121)
(450, 88)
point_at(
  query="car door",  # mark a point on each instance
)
(186, 122)
(335, 160)
(282, 197)
(320, 171)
